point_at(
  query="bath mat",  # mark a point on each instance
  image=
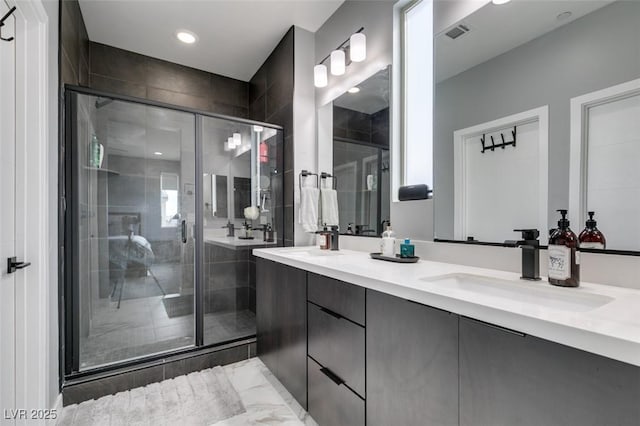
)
(197, 399)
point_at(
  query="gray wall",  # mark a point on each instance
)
(377, 19)
(597, 51)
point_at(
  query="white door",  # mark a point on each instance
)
(7, 218)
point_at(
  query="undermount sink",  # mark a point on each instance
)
(534, 293)
(313, 253)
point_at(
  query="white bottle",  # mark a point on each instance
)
(388, 243)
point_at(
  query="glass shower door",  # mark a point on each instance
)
(134, 218)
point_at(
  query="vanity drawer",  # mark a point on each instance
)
(342, 298)
(337, 344)
(332, 403)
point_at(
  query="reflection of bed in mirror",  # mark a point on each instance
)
(130, 254)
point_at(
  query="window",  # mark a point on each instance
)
(417, 92)
(169, 184)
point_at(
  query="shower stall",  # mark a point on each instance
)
(152, 193)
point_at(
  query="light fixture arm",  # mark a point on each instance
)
(344, 46)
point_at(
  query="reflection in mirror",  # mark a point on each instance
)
(361, 156)
(517, 67)
(605, 153)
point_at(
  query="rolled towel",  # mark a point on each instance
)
(330, 215)
(309, 208)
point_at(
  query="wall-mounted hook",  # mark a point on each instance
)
(4, 18)
(502, 145)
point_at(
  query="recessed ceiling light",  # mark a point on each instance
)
(354, 90)
(157, 153)
(499, 2)
(564, 16)
(186, 36)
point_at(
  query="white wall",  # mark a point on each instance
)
(51, 8)
(304, 120)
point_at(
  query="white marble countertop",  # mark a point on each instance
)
(611, 330)
(236, 243)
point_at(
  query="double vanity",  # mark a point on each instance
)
(358, 341)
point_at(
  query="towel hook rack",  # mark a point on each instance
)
(4, 18)
(306, 173)
(334, 180)
(502, 145)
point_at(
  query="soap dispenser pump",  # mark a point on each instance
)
(564, 257)
(388, 242)
(591, 237)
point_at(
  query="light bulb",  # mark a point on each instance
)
(186, 36)
(229, 145)
(499, 2)
(237, 139)
(358, 47)
(320, 75)
(354, 90)
(337, 62)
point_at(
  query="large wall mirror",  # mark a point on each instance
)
(354, 139)
(523, 88)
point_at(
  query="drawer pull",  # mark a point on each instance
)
(497, 327)
(331, 375)
(330, 312)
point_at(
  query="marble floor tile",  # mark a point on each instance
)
(266, 401)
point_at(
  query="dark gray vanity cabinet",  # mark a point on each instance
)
(507, 378)
(281, 321)
(336, 348)
(412, 363)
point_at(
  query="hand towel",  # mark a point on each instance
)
(309, 208)
(329, 198)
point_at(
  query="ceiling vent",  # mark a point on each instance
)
(457, 31)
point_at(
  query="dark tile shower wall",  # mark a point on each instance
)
(101, 67)
(271, 101)
(358, 126)
(127, 73)
(74, 45)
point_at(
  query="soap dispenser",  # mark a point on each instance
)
(591, 237)
(388, 243)
(564, 257)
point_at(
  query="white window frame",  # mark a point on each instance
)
(399, 156)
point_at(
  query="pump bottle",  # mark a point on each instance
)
(564, 257)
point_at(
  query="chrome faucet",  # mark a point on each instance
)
(530, 246)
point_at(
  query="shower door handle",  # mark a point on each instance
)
(184, 231)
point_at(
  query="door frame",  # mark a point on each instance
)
(541, 115)
(34, 292)
(579, 137)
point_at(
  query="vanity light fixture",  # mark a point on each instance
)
(237, 139)
(338, 65)
(320, 75)
(356, 46)
(499, 2)
(354, 89)
(157, 153)
(186, 37)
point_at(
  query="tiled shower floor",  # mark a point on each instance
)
(142, 327)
